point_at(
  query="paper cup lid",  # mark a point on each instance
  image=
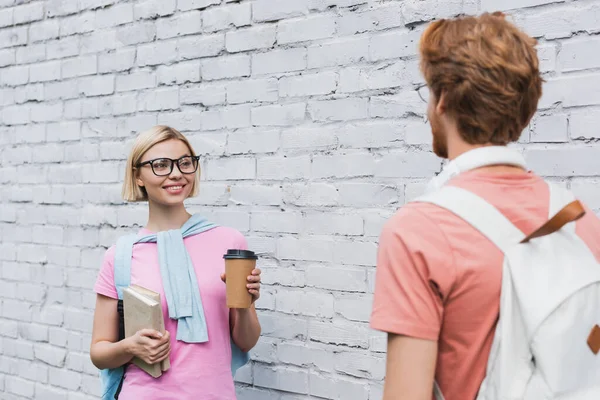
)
(233, 254)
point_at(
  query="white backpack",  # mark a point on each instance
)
(547, 339)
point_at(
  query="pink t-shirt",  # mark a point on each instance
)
(439, 279)
(198, 370)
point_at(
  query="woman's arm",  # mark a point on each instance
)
(245, 328)
(108, 352)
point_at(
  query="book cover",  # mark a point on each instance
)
(142, 310)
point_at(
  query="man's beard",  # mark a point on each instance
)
(440, 143)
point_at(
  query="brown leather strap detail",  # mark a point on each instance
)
(571, 212)
(594, 339)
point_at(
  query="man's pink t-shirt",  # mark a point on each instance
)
(439, 279)
(198, 370)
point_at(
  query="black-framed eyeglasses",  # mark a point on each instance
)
(423, 92)
(164, 166)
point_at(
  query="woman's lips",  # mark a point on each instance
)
(174, 189)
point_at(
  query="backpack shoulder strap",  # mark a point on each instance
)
(122, 262)
(559, 198)
(477, 212)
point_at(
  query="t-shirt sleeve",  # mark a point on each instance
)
(105, 283)
(414, 274)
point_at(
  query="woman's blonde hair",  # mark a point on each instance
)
(131, 190)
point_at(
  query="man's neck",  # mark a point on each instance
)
(164, 218)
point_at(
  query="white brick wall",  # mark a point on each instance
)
(310, 135)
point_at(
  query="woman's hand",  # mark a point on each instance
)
(149, 345)
(253, 284)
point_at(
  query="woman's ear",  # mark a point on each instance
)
(138, 181)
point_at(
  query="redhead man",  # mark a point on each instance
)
(438, 280)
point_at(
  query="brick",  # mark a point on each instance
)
(549, 129)
(280, 168)
(13, 76)
(418, 11)
(255, 90)
(115, 15)
(236, 15)
(20, 387)
(308, 85)
(153, 8)
(354, 307)
(138, 32)
(283, 327)
(338, 110)
(184, 5)
(7, 57)
(58, 8)
(228, 117)
(163, 52)
(395, 44)
(559, 21)
(79, 66)
(306, 29)
(580, 122)
(356, 79)
(65, 47)
(380, 134)
(278, 115)
(273, 10)
(243, 194)
(280, 222)
(332, 224)
(368, 195)
(226, 67)
(43, 30)
(203, 94)
(290, 248)
(379, 17)
(295, 381)
(43, 72)
(119, 60)
(340, 333)
(182, 24)
(570, 58)
(79, 23)
(136, 80)
(547, 57)
(255, 141)
(44, 112)
(63, 378)
(159, 99)
(575, 161)
(231, 168)
(305, 303)
(259, 37)
(184, 72)
(98, 41)
(279, 61)
(398, 106)
(571, 91)
(490, 5)
(31, 54)
(338, 52)
(7, 17)
(408, 164)
(50, 393)
(308, 137)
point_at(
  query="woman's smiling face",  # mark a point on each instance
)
(174, 187)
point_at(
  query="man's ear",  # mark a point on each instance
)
(440, 107)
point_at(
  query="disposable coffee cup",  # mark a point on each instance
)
(238, 266)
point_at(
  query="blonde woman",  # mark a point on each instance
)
(179, 256)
